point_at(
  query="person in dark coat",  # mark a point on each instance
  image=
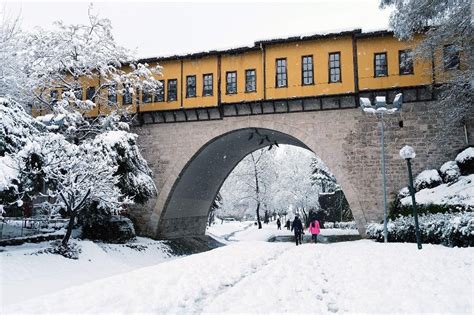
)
(279, 224)
(288, 224)
(297, 226)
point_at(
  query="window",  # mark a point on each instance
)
(127, 95)
(78, 94)
(146, 96)
(53, 94)
(334, 67)
(231, 82)
(307, 77)
(451, 57)
(191, 86)
(112, 95)
(160, 92)
(207, 86)
(250, 81)
(172, 90)
(281, 75)
(380, 62)
(405, 62)
(90, 93)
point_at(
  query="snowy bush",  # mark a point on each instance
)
(465, 161)
(450, 229)
(341, 225)
(134, 175)
(16, 126)
(450, 172)
(404, 192)
(427, 179)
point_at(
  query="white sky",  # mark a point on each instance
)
(165, 28)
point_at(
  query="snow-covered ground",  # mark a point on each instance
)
(25, 274)
(247, 231)
(261, 277)
(246, 276)
(460, 192)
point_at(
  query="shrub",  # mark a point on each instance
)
(407, 210)
(450, 229)
(465, 161)
(427, 179)
(450, 172)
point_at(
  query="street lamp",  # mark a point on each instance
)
(380, 110)
(408, 154)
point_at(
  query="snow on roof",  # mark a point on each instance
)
(240, 49)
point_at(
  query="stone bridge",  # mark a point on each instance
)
(191, 160)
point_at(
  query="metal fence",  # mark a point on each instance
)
(15, 227)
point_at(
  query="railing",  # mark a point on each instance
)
(15, 227)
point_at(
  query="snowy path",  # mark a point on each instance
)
(360, 276)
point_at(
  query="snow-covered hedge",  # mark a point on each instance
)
(450, 229)
(427, 179)
(450, 172)
(341, 225)
(465, 161)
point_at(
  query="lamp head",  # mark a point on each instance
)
(407, 153)
(398, 101)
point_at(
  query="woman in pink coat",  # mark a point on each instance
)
(314, 230)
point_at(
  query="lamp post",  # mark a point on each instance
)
(408, 154)
(380, 110)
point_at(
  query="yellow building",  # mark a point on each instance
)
(340, 65)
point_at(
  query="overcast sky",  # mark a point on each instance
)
(165, 28)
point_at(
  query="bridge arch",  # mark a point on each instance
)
(347, 141)
(185, 210)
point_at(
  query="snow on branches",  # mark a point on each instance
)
(64, 59)
(448, 38)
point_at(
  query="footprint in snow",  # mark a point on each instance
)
(333, 308)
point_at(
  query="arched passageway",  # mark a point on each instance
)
(187, 207)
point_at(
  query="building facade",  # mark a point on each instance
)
(339, 65)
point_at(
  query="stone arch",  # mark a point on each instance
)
(184, 202)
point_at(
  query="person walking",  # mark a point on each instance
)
(288, 224)
(279, 224)
(297, 226)
(314, 230)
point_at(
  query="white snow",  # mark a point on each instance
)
(427, 177)
(407, 152)
(260, 277)
(246, 276)
(467, 154)
(24, 275)
(450, 171)
(459, 193)
(8, 172)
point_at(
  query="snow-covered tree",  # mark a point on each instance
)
(322, 176)
(216, 205)
(99, 173)
(285, 186)
(448, 38)
(249, 185)
(74, 175)
(65, 60)
(294, 188)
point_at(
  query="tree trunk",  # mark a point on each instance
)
(258, 215)
(69, 228)
(305, 217)
(257, 191)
